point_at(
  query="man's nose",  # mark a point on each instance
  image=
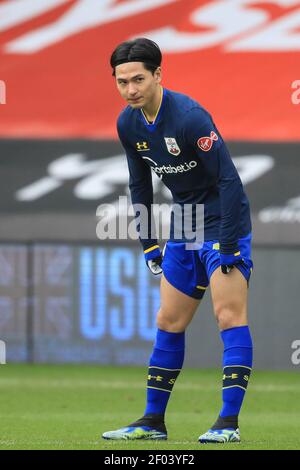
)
(131, 89)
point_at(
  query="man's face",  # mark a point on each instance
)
(137, 85)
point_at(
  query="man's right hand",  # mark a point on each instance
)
(153, 258)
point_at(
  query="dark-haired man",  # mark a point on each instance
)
(173, 135)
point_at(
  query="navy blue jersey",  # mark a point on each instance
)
(185, 149)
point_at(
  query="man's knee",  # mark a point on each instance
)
(170, 321)
(231, 314)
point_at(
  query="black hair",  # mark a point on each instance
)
(138, 50)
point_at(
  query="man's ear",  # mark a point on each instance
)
(157, 75)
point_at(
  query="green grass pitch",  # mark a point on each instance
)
(68, 407)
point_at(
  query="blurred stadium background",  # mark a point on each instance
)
(65, 295)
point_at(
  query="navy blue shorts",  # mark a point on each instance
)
(190, 270)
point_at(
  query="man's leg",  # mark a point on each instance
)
(175, 313)
(229, 297)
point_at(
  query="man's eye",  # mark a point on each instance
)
(139, 79)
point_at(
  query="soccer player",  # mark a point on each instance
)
(176, 137)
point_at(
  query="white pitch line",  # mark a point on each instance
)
(116, 385)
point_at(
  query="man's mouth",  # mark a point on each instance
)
(134, 100)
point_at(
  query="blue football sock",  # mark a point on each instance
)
(164, 367)
(237, 365)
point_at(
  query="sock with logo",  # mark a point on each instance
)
(237, 365)
(164, 367)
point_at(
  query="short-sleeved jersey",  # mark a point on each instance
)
(185, 149)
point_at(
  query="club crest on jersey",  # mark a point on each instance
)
(172, 146)
(206, 143)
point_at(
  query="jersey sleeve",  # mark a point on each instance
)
(202, 135)
(141, 190)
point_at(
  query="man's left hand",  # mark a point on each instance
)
(228, 261)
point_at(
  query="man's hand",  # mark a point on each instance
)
(154, 259)
(228, 261)
(155, 265)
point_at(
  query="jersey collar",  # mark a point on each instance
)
(151, 127)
